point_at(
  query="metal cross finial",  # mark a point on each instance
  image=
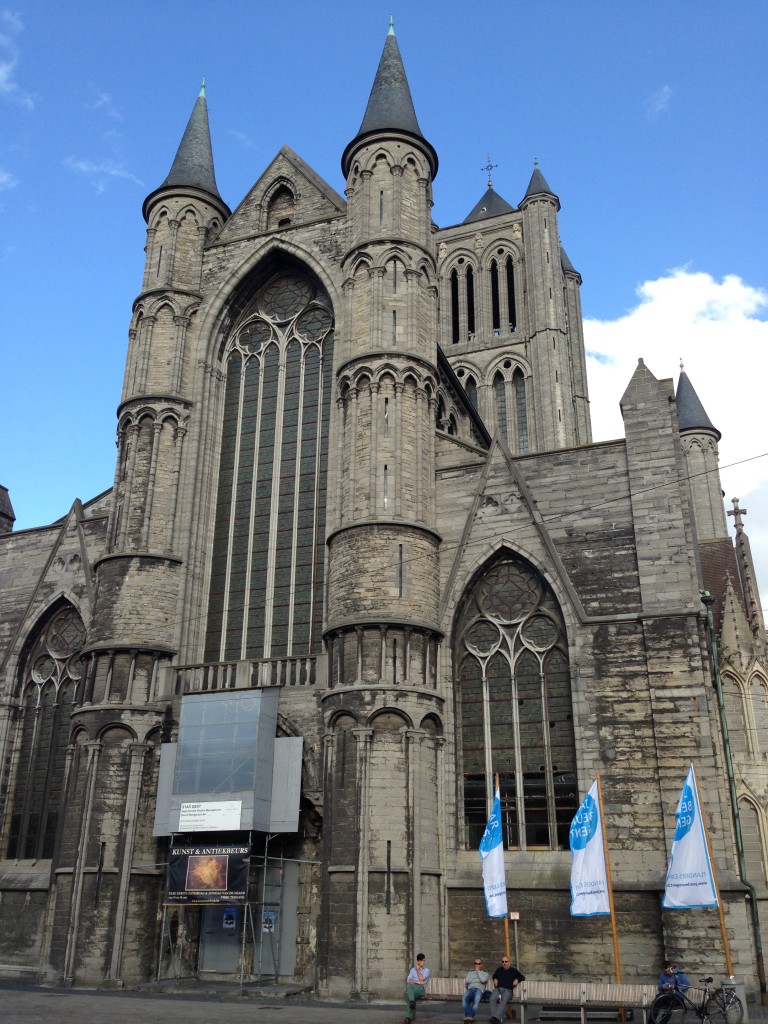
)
(737, 513)
(391, 26)
(488, 168)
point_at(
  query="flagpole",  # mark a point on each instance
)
(726, 944)
(506, 916)
(610, 885)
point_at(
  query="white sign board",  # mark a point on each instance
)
(514, 915)
(209, 816)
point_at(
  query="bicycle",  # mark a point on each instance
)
(718, 1006)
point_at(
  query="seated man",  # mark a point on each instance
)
(506, 978)
(476, 981)
(673, 978)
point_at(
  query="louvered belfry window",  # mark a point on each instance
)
(267, 571)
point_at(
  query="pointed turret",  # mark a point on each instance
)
(746, 568)
(192, 166)
(563, 417)
(690, 412)
(698, 439)
(491, 205)
(740, 645)
(565, 263)
(538, 186)
(7, 515)
(390, 105)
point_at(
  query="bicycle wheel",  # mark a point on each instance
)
(668, 1008)
(724, 1007)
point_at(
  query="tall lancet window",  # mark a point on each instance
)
(470, 386)
(500, 396)
(51, 671)
(470, 302)
(266, 598)
(511, 300)
(514, 694)
(521, 408)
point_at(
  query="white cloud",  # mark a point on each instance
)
(245, 140)
(103, 101)
(101, 171)
(7, 180)
(658, 102)
(10, 28)
(719, 330)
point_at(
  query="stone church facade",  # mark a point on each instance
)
(355, 471)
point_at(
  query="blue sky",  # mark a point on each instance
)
(648, 120)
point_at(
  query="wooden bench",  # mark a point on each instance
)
(588, 999)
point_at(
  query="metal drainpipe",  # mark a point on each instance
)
(708, 601)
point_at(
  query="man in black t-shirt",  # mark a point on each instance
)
(505, 980)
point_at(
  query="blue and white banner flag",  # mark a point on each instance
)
(492, 853)
(690, 881)
(589, 877)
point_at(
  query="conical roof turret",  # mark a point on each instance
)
(568, 267)
(390, 105)
(193, 164)
(691, 414)
(538, 185)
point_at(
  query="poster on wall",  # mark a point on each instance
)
(207, 874)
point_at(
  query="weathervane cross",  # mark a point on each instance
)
(488, 168)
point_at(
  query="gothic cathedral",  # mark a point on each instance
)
(360, 559)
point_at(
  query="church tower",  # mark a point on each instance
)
(511, 320)
(561, 417)
(382, 707)
(132, 633)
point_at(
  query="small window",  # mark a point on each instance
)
(280, 210)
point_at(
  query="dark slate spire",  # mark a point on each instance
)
(491, 205)
(538, 185)
(193, 164)
(690, 411)
(7, 516)
(390, 106)
(565, 263)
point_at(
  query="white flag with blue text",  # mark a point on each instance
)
(589, 877)
(690, 881)
(492, 853)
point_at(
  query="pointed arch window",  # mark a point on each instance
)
(471, 388)
(495, 303)
(500, 395)
(455, 324)
(759, 699)
(462, 288)
(521, 408)
(50, 675)
(281, 209)
(753, 842)
(470, 301)
(513, 682)
(266, 594)
(733, 698)
(511, 301)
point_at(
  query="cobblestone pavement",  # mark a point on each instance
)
(25, 1004)
(22, 1004)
